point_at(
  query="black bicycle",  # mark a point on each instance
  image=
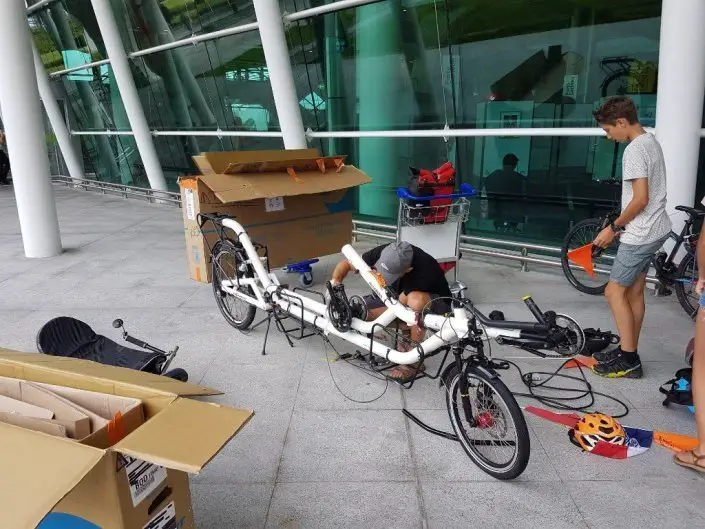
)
(680, 277)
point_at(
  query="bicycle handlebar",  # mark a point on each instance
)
(466, 191)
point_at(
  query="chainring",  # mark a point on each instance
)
(573, 336)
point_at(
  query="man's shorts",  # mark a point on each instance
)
(632, 260)
(438, 306)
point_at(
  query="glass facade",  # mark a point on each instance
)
(396, 65)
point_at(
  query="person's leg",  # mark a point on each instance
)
(616, 295)
(698, 387)
(635, 297)
(416, 301)
(628, 265)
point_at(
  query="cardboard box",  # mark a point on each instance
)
(294, 202)
(133, 481)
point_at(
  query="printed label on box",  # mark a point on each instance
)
(274, 204)
(143, 479)
(165, 519)
(190, 204)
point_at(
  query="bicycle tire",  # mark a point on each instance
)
(220, 250)
(570, 242)
(683, 277)
(520, 459)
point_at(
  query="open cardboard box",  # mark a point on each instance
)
(135, 480)
(295, 202)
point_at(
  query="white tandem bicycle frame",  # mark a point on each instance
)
(449, 330)
(493, 408)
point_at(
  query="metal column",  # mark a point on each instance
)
(281, 75)
(130, 98)
(56, 118)
(26, 143)
(679, 104)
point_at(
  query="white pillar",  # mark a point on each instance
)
(281, 76)
(56, 118)
(679, 102)
(128, 91)
(24, 127)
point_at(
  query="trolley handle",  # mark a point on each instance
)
(466, 191)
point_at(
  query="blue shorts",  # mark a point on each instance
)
(632, 260)
(702, 300)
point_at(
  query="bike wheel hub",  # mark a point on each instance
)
(485, 420)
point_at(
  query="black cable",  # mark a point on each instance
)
(532, 381)
(370, 372)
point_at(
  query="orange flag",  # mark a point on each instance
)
(583, 258)
(675, 441)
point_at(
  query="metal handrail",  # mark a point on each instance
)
(124, 190)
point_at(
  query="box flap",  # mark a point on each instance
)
(184, 436)
(38, 470)
(84, 374)
(251, 186)
(218, 161)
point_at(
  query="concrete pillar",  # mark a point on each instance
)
(56, 118)
(130, 98)
(26, 143)
(679, 102)
(281, 76)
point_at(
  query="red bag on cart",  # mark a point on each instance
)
(425, 183)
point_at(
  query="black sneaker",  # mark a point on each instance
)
(606, 356)
(620, 367)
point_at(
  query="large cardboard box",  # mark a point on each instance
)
(130, 474)
(294, 202)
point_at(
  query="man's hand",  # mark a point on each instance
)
(605, 238)
(700, 286)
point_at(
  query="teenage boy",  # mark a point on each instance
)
(642, 228)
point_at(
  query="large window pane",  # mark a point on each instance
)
(155, 22)
(475, 64)
(67, 38)
(217, 84)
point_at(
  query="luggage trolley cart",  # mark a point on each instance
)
(434, 223)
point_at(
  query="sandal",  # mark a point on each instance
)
(695, 465)
(407, 372)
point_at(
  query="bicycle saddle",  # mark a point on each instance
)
(64, 336)
(692, 212)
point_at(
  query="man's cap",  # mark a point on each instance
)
(394, 260)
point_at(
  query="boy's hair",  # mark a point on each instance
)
(614, 109)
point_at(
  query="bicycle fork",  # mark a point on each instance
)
(463, 386)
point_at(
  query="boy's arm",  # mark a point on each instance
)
(640, 189)
(342, 269)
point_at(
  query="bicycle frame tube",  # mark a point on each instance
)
(449, 330)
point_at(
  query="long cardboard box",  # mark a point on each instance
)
(295, 202)
(130, 474)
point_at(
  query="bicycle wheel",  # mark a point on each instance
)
(684, 283)
(498, 441)
(228, 265)
(584, 232)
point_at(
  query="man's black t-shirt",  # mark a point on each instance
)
(426, 274)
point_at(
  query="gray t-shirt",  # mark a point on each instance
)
(643, 158)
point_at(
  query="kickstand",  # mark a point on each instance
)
(266, 335)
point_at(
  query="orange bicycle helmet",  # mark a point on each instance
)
(595, 427)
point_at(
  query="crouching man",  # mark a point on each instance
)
(412, 275)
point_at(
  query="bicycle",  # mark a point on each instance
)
(681, 277)
(484, 415)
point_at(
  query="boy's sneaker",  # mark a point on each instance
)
(606, 356)
(620, 367)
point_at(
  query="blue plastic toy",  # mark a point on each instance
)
(304, 269)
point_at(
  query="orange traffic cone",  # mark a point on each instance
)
(583, 258)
